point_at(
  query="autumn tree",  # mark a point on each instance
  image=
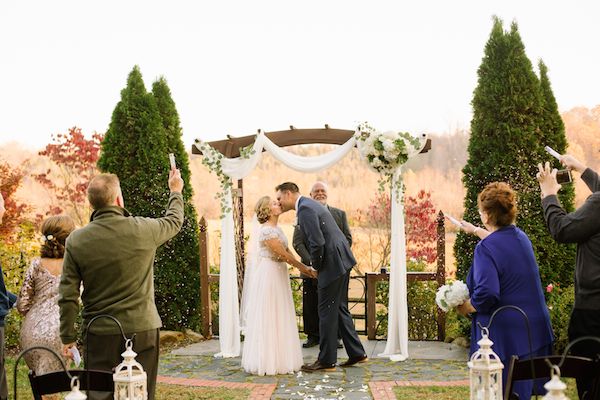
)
(10, 180)
(421, 227)
(74, 159)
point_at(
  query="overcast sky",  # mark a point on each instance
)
(234, 67)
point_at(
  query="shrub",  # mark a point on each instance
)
(135, 148)
(422, 310)
(560, 303)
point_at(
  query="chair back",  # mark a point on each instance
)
(56, 382)
(572, 367)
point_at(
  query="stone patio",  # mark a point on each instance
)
(430, 363)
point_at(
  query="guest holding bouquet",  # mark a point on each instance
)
(505, 272)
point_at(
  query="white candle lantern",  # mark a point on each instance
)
(130, 378)
(555, 387)
(485, 371)
(75, 394)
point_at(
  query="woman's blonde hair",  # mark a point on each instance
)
(55, 230)
(263, 209)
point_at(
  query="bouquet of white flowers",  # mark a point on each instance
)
(452, 295)
(385, 151)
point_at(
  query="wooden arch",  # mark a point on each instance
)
(230, 148)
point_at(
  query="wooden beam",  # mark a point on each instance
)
(230, 147)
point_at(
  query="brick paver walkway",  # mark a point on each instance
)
(372, 380)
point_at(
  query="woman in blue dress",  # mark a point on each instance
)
(505, 272)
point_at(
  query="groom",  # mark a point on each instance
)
(331, 256)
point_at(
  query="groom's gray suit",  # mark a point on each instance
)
(331, 256)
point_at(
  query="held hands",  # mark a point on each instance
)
(175, 181)
(310, 272)
(547, 178)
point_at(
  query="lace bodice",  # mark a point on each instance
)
(270, 232)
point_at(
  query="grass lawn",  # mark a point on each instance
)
(455, 392)
(163, 391)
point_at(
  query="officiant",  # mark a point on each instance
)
(310, 314)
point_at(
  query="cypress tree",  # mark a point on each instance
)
(507, 141)
(176, 275)
(135, 149)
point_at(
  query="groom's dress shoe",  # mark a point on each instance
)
(354, 360)
(310, 342)
(317, 366)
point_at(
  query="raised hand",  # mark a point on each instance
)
(572, 163)
(175, 181)
(547, 179)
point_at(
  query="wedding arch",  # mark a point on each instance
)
(234, 158)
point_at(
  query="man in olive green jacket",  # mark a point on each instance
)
(114, 258)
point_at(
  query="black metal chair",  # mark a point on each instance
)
(541, 367)
(60, 381)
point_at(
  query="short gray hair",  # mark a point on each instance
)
(103, 190)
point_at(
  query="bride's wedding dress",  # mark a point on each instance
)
(271, 341)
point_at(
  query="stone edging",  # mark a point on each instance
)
(382, 390)
(258, 391)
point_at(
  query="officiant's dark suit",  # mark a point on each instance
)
(331, 256)
(310, 302)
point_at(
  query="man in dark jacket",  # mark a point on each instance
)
(582, 227)
(310, 302)
(331, 256)
(7, 301)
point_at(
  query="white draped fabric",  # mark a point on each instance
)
(229, 318)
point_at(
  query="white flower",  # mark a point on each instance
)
(452, 295)
(390, 135)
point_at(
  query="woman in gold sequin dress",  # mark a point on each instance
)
(38, 300)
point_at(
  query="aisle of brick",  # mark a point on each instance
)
(373, 380)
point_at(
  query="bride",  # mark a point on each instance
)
(268, 317)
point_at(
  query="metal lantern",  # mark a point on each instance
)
(485, 371)
(555, 387)
(75, 394)
(130, 378)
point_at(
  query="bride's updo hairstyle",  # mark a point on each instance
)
(55, 230)
(263, 209)
(499, 202)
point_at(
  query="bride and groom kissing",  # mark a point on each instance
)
(268, 318)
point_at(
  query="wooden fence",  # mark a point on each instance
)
(370, 279)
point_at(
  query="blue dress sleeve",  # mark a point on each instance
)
(485, 293)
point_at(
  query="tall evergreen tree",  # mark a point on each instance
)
(178, 260)
(554, 132)
(135, 148)
(507, 141)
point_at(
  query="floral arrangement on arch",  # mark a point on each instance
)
(384, 152)
(212, 158)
